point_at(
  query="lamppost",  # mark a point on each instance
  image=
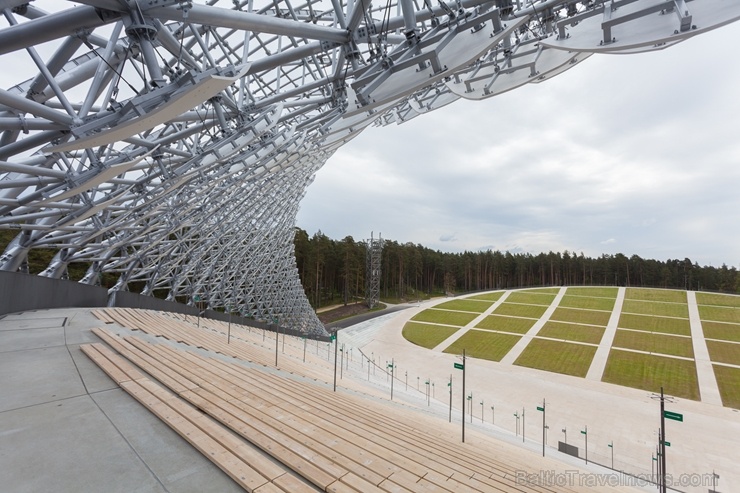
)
(544, 426)
(470, 400)
(565, 432)
(611, 446)
(407, 380)
(417, 383)
(429, 402)
(432, 389)
(392, 367)
(481, 412)
(516, 415)
(715, 477)
(585, 432)
(449, 384)
(493, 415)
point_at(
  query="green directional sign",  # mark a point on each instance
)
(673, 416)
(459, 366)
(333, 336)
(667, 444)
(583, 432)
(540, 408)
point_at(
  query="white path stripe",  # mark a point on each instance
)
(596, 370)
(463, 330)
(708, 389)
(512, 355)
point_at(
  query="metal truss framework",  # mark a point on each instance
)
(374, 249)
(169, 142)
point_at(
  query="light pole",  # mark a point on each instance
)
(544, 426)
(481, 412)
(585, 432)
(336, 350)
(522, 425)
(715, 477)
(493, 415)
(470, 399)
(432, 389)
(392, 366)
(565, 432)
(429, 402)
(516, 415)
(407, 380)
(449, 384)
(611, 446)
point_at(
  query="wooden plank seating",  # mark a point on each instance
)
(334, 440)
(251, 470)
(353, 447)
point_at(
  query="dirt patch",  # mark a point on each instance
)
(342, 312)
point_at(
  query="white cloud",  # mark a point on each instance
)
(639, 147)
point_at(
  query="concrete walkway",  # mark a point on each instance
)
(516, 351)
(598, 364)
(67, 427)
(708, 389)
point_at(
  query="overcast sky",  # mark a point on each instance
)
(633, 154)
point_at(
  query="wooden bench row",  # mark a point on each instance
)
(247, 467)
(323, 435)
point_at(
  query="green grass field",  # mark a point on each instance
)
(580, 333)
(594, 292)
(587, 302)
(718, 299)
(465, 305)
(575, 315)
(650, 372)
(728, 381)
(647, 323)
(724, 331)
(506, 324)
(719, 314)
(658, 309)
(669, 295)
(544, 290)
(654, 343)
(724, 352)
(557, 357)
(487, 296)
(531, 311)
(530, 298)
(426, 335)
(484, 345)
(444, 317)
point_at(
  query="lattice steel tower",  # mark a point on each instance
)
(168, 143)
(372, 272)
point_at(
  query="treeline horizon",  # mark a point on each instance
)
(333, 271)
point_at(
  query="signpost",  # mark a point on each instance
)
(543, 425)
(460, 366)
(336, 354)
(450, 386)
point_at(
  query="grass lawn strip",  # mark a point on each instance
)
(572, 332)
(557, 357)
(543, 290)
(517, 310)
(506, 324)
(649, 372)
(581, 316)
(728, 381)
(721, 330)
(593, 292)
(586, 302)
(487, 296)
(475, 306)
(444, 317)
(720, 314)
(718, 299)
(484, 345)
(427, 335)
(530, 298)
(667, 295)
(660, 309)
(679, 326)
(654, 343)
(724, 352)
